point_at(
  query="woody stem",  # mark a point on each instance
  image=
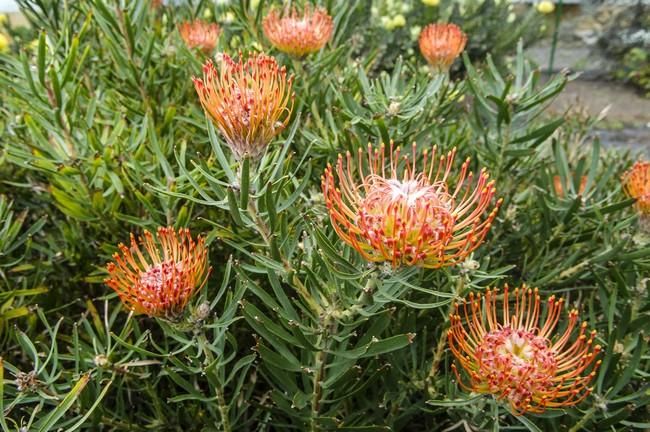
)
(218, 389)
(266, 233)
(442, 341)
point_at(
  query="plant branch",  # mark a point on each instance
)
(264, 230)
(327, 326)
(219, 391)
(442, 342)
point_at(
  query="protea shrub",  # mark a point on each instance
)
(302, 236)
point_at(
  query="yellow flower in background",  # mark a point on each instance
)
(4, 43)
(33, 45)
(227, 17)
(545, 7)
(399, 21)
(3, 19)
(207, 14)
(431, 2)
(393, 23)
(415, 32)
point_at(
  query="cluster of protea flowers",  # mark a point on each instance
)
(386, 208)
(250, 100)
(407, 216)
(298, 33)
(200, 35)
(441, 44)
(636, 182)
(158, 276)
(515, 355)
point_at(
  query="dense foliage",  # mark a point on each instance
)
(103, 134)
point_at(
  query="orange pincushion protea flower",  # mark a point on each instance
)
(299, 34)
(441, 43)
(250, 101)
(161, 283)
(636, 182)
(518, 358)
(200, 35)
(407, 217)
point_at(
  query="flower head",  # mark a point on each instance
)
(515, 355)
(404, 216)
(431, 2)
(200, 35)
(396, 22)
(636, 182)
(160, 281)
(4, 43)
(545, 7)
(441, 43)
(249, 100)
(298, 34)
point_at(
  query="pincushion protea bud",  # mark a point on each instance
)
(441, 43)
(298, 34)
(162, 280)
(406, 217)
(200, 35)
(517, 357)
(249, 100)
(636, 182)
(559, 186)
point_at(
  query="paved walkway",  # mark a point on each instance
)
(627, 124)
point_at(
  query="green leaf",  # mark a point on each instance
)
(245, 182)
(377, 347)
(40, 57)
(3, 423)
(526, 422)
(92, 408)
(456, 402)
(49, 422)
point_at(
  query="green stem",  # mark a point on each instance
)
(327, 327)
(219, 393)
(442, 342)
(264, 230)
(556, 30)
(317, 390)
(495, 415)
(585, 418)
(302, 75)
(365, 298)
(130, 52)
